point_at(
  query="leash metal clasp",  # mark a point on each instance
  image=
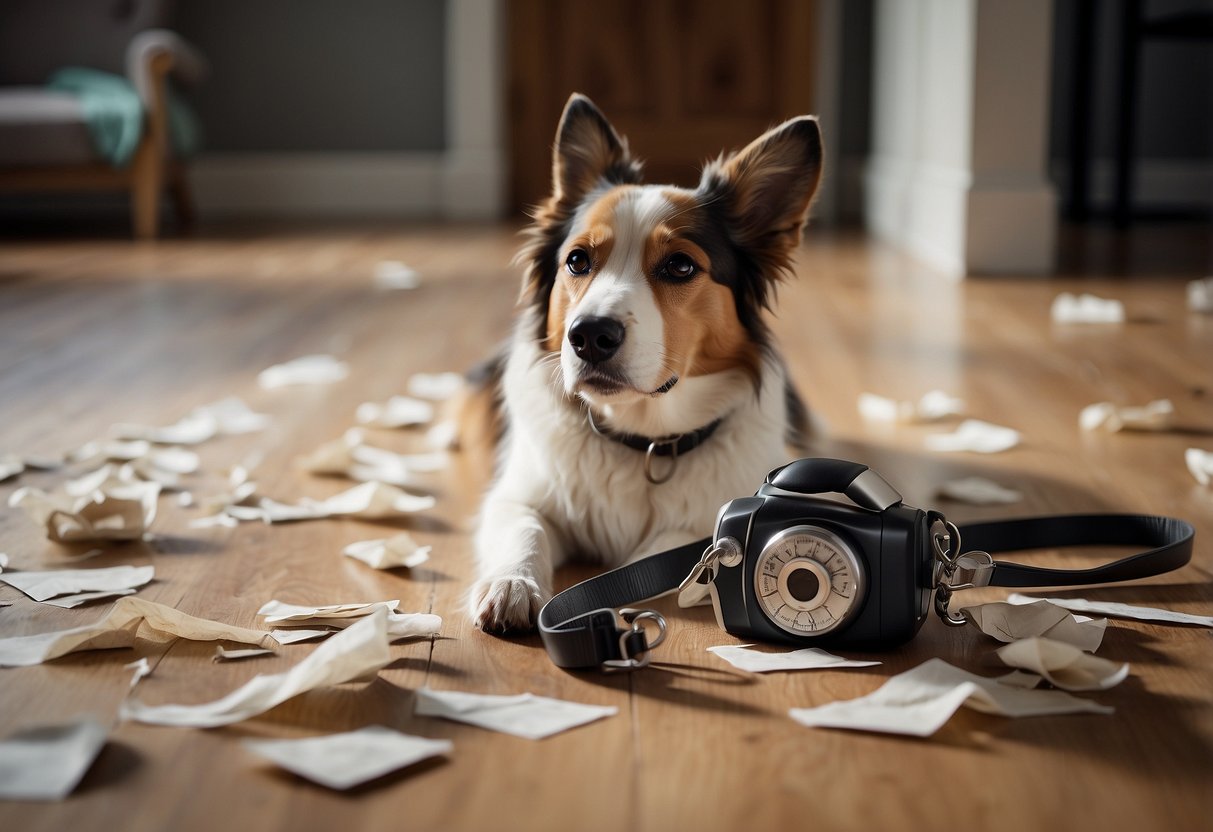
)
(955, 571)
(634, 619)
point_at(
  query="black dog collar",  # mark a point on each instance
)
(670, 446)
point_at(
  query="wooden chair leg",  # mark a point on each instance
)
(183, 203)
(147, 180)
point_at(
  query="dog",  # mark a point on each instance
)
(642, 388)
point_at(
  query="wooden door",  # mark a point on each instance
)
(682, 79)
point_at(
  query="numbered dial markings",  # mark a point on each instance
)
(808, 580)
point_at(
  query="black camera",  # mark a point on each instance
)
(790, 566)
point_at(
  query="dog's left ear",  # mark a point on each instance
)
(769, 185)
(588, 151)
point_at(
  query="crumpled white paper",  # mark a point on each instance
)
(918, 702)
(10, 466)
(342, 761)
(932, 407)
(222, 654)
(976, 436)
(390, 553)
(43, 585)
(392, 274)
(109, 450)
(46, 763)
(1114, 610)
(525, 715)
(116, 511)
(1200, 464)
(1063, 665)
(1200, 295)
(370, 500)
(1086, 309)
(293, 636)
(396, 412)
(358, 652)
(118, 629)
(979, 491)
(809, 658)
(228, 416)
(350, 457)
(435, 385)
(1157, 415)
(1012, 622)
(309, 369)
(399, 624)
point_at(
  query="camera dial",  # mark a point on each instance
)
(808, 580)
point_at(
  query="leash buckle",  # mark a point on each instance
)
(634, 619)
(955, 571)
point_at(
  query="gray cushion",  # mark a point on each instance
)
(41, 127)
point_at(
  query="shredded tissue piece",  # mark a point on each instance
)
(1086, 309)
(10, 466)
(1200, 464)
(114, 511)
(399, 624)
(1157, 415)
(1063, 665)
(356, 653)
(979, 491)
(309, 369)
(932, 407)
(918, 702)
(45, 585)
(141, 668)
(1012, 622)
(392, 274)
(396, 412)
(342, 761)
(350, 457)
(976, 436)
(435, 385)
(396, 551)
(525, 715)
(809, 658)
(222, 654)
(370, 500)
(1200, 295)
(1114, 610)
(47, 762)
(294, 636)
(228, 416)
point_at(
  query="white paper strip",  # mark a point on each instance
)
(976, 436)
(1200, 295)
(342, 761)
(350, 457)
(370, 500)
(356, 653)
(525, 715)
(1158, 415)
(809, 658)
(918, 702)
(390, 553)
(47, 762)
(310, 369)
(293, 636)
(192, 429)
(222, 654)
(1200, 464)
(979, 491)
(1113, 610)
(43, 585)
(68, 602)
(932, 407)
(276, 611)
(1063, 665)
(1012, 622)
(392, 274)
(1086, 309)
(396, 412)
(435, 385)
(141, 668)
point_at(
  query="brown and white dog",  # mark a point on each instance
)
(642, 334)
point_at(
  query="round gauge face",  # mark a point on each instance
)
(808, 581)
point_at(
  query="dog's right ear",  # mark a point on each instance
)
(588, 151)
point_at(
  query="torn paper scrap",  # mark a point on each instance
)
(46, 763)
(1200, 464)
(1063, 665)
(358, 652)
(390, 553)
(1086, 309)
(976, 436)
(370, 500)
(1157, 415)
(342, 761)
(121, 511)
(1200, 295)
(276, 611)
(436, 386)
(396, 412)
(392, 274)
(918, 702)
(810, 658)
(222, 654)
(310, 369)
(10, 466)
(292, 636)
(350, 457)
(192, 429)
(1114, 610)
(1012, 622)
(43, 585)
(932, 407)
(141, 668)
(72, 601)
(110, 450)
(233, 417)
(3, 561)
(118, 629)
(979, 491)
(525, 715)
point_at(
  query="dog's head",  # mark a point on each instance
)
(638, 286)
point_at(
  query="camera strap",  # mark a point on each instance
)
(581, 626)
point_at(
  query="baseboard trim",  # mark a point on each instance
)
(1158, 183)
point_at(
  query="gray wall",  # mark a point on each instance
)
(318, 75)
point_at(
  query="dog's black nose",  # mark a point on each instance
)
(594, 339)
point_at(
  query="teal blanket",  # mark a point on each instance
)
(114, 114)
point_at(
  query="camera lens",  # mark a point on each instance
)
(803, 585)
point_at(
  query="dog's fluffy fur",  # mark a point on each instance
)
(695, 349)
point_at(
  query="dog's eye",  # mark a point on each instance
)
(578, 262)
(678, 267)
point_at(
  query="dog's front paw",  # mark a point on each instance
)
(507, 603)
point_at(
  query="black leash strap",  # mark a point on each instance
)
(580, 627)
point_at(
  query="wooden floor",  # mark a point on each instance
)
(93, 333)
